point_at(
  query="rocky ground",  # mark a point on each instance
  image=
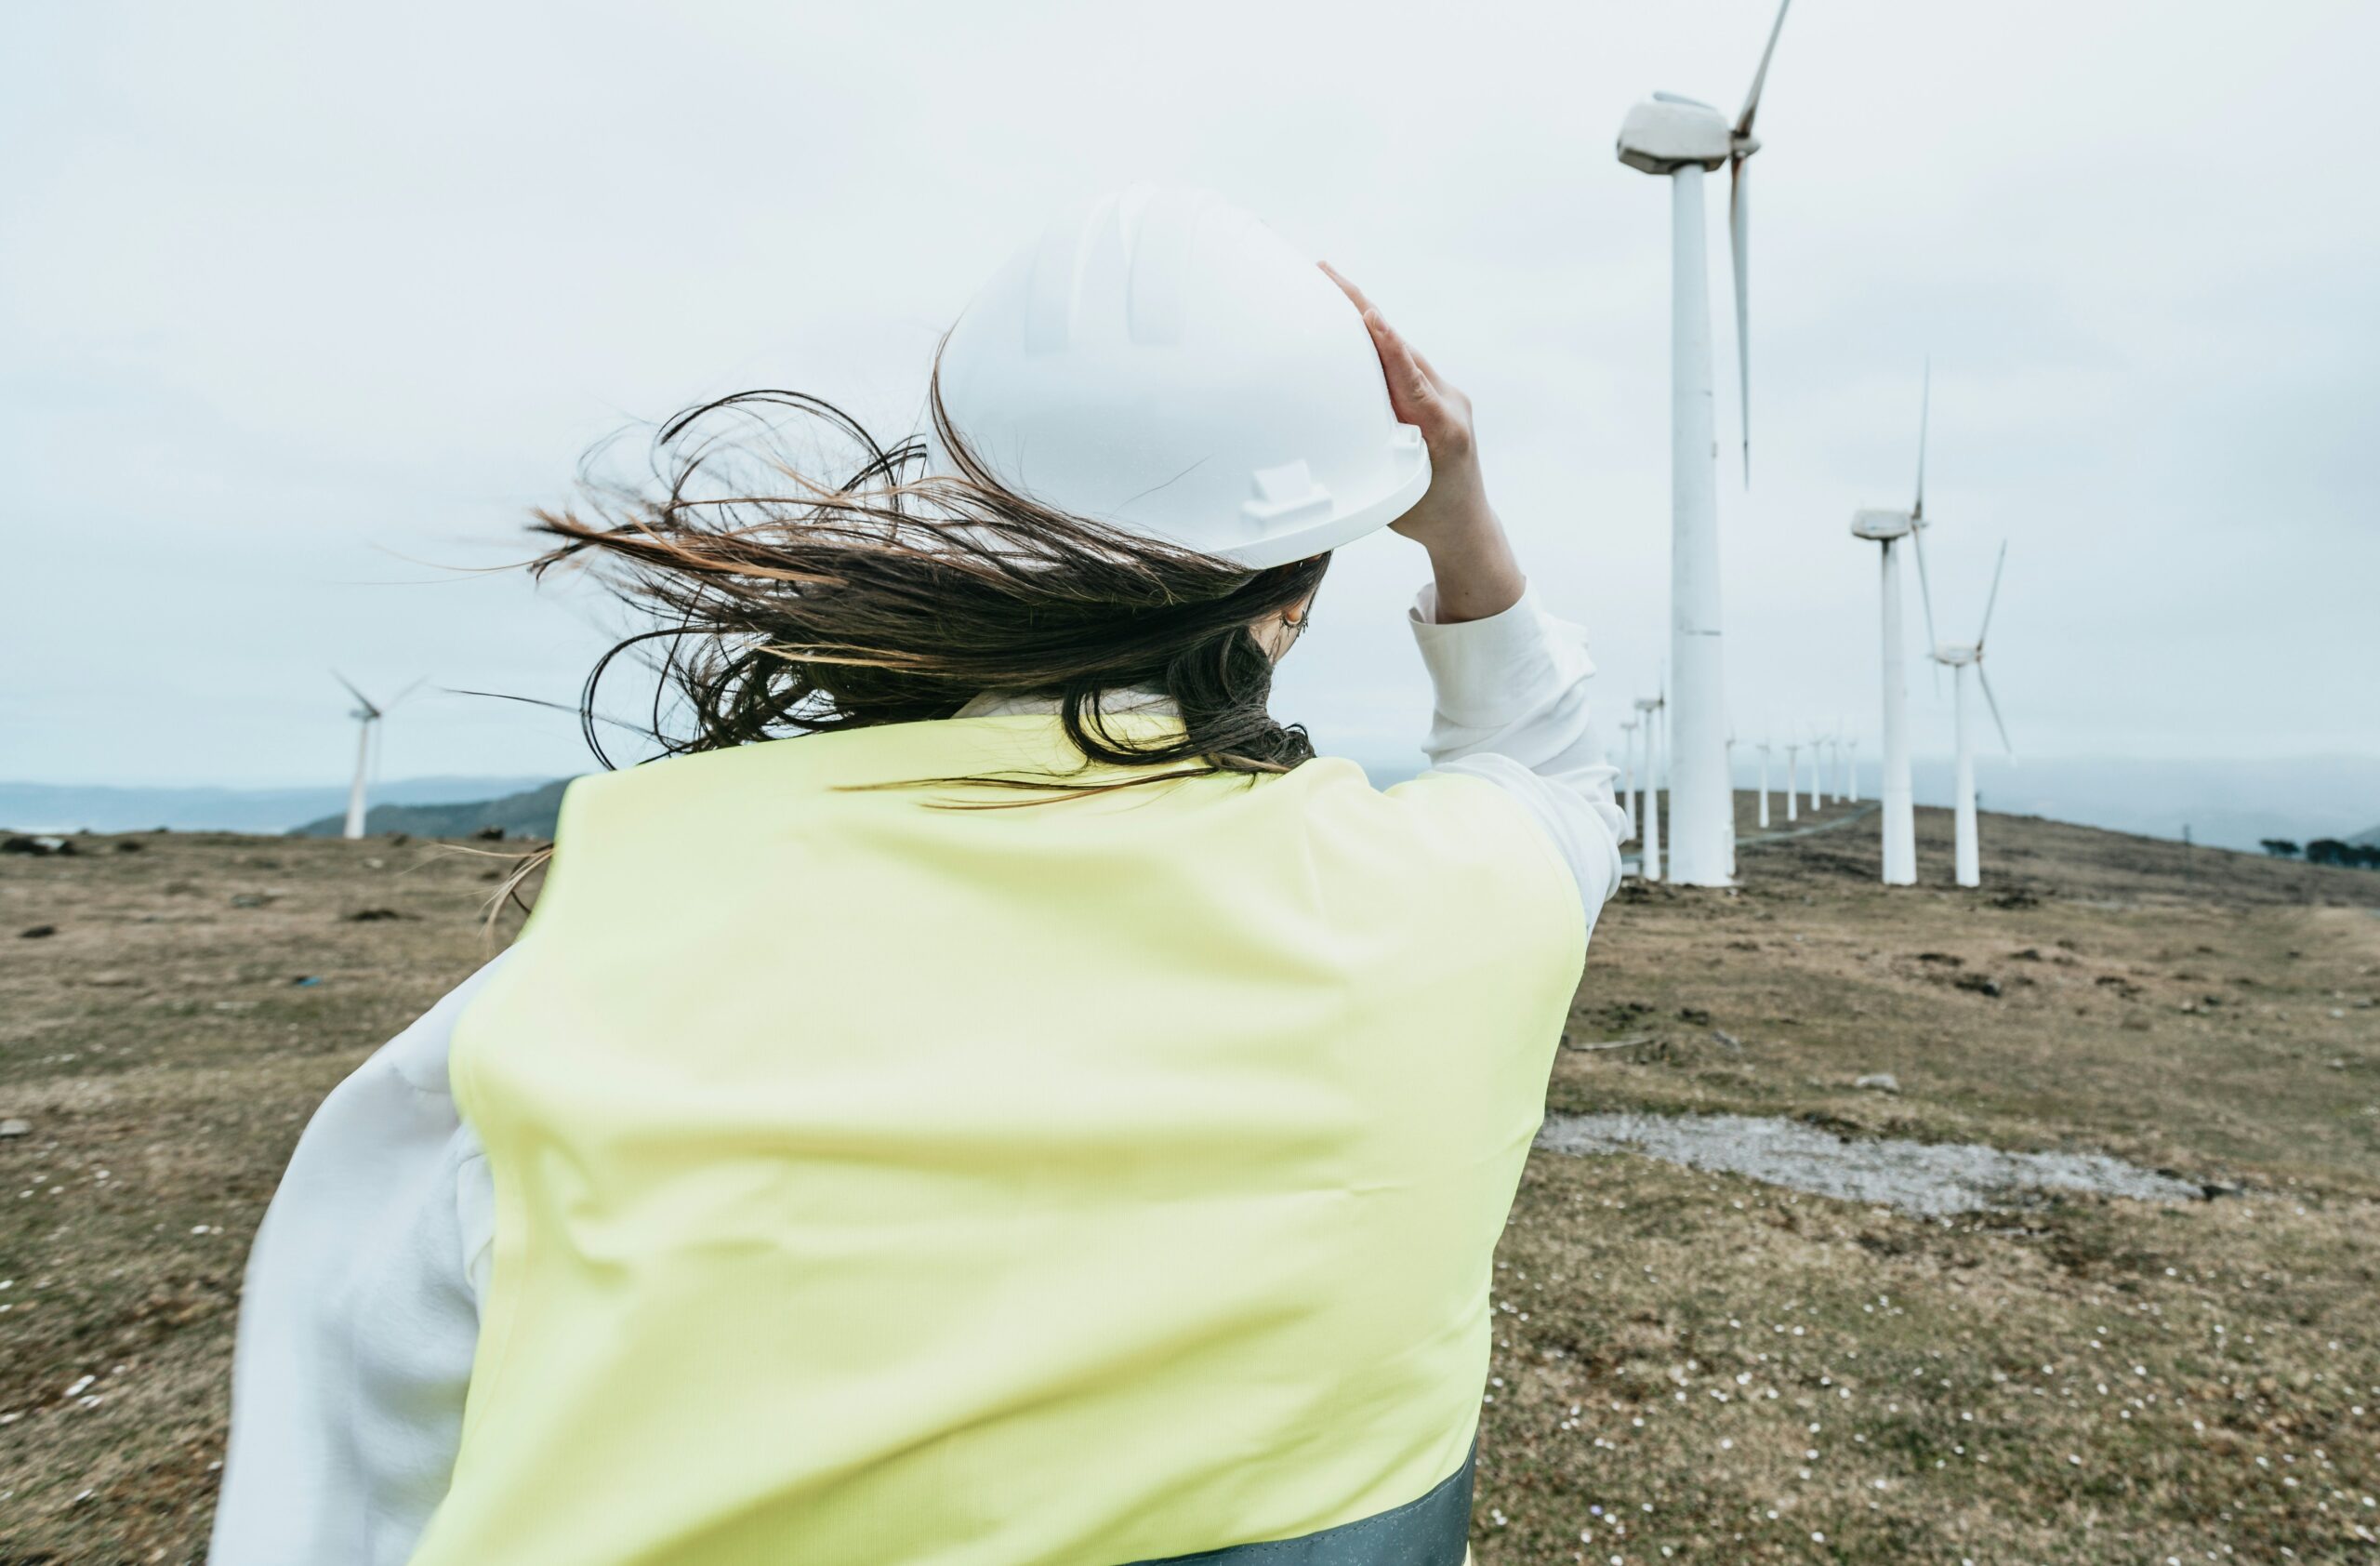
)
(1692, 1364)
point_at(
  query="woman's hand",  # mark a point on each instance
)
(1469, 553)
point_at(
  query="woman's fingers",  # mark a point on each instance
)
(1408, 386)
(1344, 287)
(1420, 397)
(1370, 311)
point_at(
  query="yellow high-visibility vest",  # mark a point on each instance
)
(884, 1184)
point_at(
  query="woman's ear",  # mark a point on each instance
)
(1278, 632)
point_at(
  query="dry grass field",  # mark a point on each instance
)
(1690, 1366)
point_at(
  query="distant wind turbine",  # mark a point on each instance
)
(1683, 138)
(1731, 802)
(1792, 811)
(1764, 785)
(1960, 657)
(1648, 830)
(1629, 804)
(1887, 528)
(367, 715)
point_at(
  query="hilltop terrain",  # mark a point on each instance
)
(1689, 1366)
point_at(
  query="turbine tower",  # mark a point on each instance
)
(1852, 770)
(1887, 528)
(1962, 657)
(1649, 852)
(1792, 811)
(1681, 139)
(1764, 785)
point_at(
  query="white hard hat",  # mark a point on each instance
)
(1161, 361)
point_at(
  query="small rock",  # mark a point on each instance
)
(37, 931)
(1726, 1038)
(374, 915)
(1978, 984)
(489, 834)
(129, 845)
(1695, 1015)
(36, 845)
(249, 899)
(1944, 958)
(308, 981)
(16, 1128)
(1879, 1081)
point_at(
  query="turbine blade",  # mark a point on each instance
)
(1759, 77)
(1994, 598)
(1924, 588)
(1993, 702)
(1925, 418)
(406, 692)
(359, 696)
(1739, 238)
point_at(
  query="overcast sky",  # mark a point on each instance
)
(302, 307)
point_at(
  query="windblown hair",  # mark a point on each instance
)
(789, 604)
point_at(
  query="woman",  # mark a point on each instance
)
(1044, 1114)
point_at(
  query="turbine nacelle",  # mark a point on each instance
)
(1957, 653)
(1667, 132)
(1881, 526)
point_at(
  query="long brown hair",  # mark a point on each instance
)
(787, 604)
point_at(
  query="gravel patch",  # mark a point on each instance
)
(1930, 1179)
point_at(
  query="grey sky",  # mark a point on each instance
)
(302, 305)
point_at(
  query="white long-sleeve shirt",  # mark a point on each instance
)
(360, 1315)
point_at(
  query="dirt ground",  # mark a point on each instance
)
(1690, 1367)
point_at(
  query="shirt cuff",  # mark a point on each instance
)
(1490, 672)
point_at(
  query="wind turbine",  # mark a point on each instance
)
(1962, 657)
(1792, 811)
(1851, 771)
(1627, 801)
(1683, 138)
(1888, 528)
(1817, 767)
(1648, 852)
(367, 715)
(1731, 804)
(1764, 785)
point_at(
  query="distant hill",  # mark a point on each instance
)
(530, 814)
(69, 807)
(2367, 840)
